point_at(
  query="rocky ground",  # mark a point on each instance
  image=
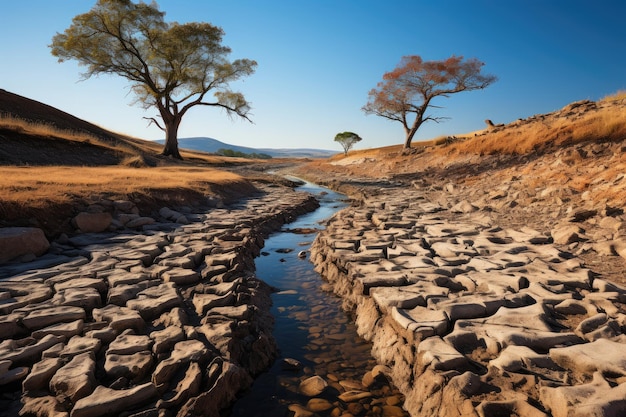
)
(485, 296)
(163, 316)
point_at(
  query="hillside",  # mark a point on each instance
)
(211, 145)
(565, 168)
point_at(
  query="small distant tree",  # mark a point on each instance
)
(171, 66)
(406, 93)
(347, 140)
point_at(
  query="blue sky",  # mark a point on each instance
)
(318, 59)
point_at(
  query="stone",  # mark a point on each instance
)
(164, 340)
(134, 366)
(567, 233)
(93, 222)
(188, 386)
(67, 330)
(594, 399)
(440, 355)
(139, 222)
(419, 318)
(29, 353)
(76, 379)
(312, 386)
(300, 411)
(127, 344)
(18, 241)
(119, 318)
(154, 301)
(46, 405)
(318, 405)
(602, 355)
(181, 276)
(184, 352)
(205, 302)
(8, 376)
(44, 317)
(107, 401)
(40, 374)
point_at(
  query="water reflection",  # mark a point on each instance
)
(313, 332)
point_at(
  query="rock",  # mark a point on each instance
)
(300, 411)
(440, 355)
(139, 222)
(18, 241)
(181, 276)
(44, 317)
(40, 374)
(11, 375)
(76, 379)
(106, 401)
(318, 405)
(154, 301)
(289, 364)
(188, 386)
(92, 222)
(184, 352)
(119, 318)
(567, 233)
(29, 353)
(81, 344)
(47, 405)
(594, 399)
(164, 340)
(133, 366)
(603, 355)
(351, 396)
(67, 330)
(312, 386)
(127, 344)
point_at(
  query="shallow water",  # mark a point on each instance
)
(310, 325)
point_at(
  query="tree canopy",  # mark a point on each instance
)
(171, 66)
(347, 140)
(406, 93)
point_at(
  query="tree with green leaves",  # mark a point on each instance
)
(407, 92)
(170, 66)
(347, 140)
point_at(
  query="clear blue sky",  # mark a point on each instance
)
(317, 60)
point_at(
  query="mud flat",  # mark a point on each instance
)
(163, 318)
(472, 317)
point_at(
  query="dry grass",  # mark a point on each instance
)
(618, 95)
(33, 186)
(45, 130)
(604, 124)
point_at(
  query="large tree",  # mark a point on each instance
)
(171, 66)
(406, 93)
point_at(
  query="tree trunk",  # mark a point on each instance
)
(171, 139)
(409, 138)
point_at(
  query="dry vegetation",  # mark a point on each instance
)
(579, 147)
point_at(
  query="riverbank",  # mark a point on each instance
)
(167, 318)
(481, 297)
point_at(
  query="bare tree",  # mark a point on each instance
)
(406, 93)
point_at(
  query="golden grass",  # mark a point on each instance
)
(39, 186)
(45, 130)
(605, 124)
(618, 95)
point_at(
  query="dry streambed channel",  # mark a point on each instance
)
(324, 367)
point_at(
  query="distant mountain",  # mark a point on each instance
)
(213, 145)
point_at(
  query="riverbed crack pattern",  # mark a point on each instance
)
(490, 318)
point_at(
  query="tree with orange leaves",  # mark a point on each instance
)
(409, 89)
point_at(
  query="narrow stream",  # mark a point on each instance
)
(311, 328)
